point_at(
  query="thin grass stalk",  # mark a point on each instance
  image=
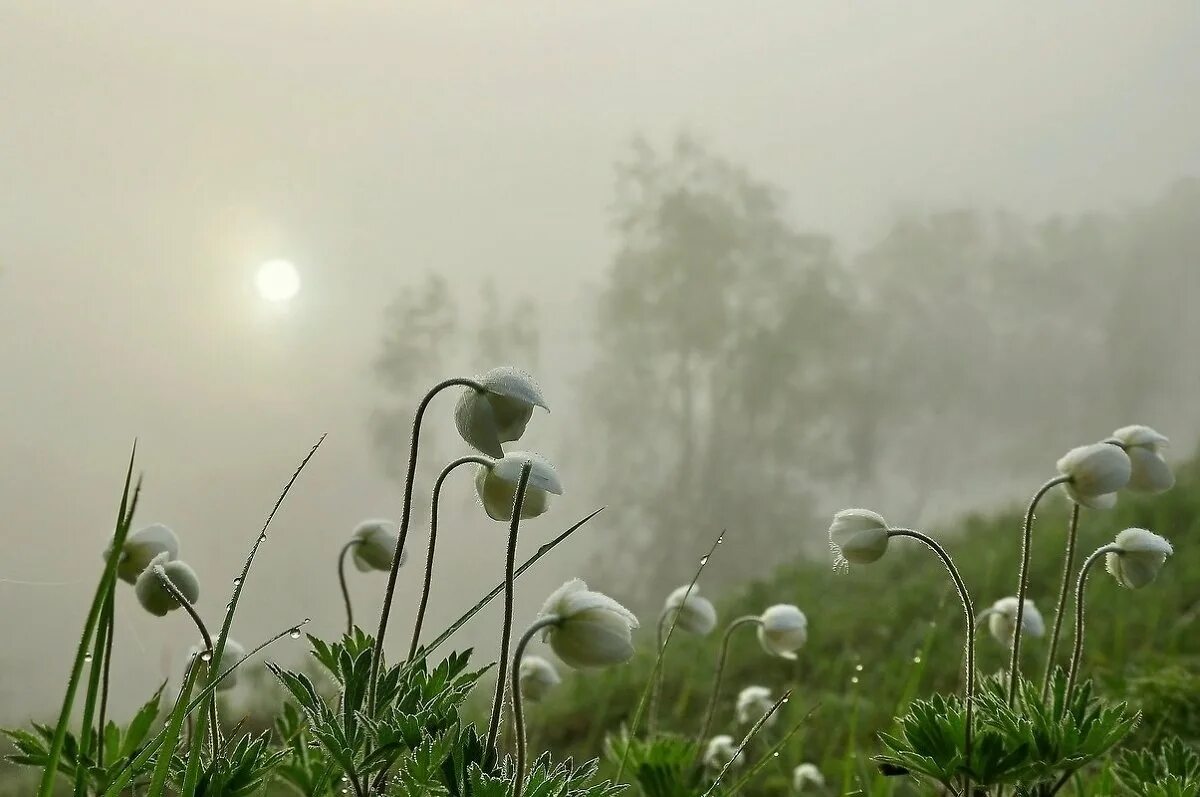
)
(103, 589)
(643, 699)
(433, 524)
(406, 514)
(737, 787)
(93, 690)
(517, 707)
(746, 740)
(104, 677)
(657, 680)
(506, 629)
(341, 568)
(718, 675)
(158, 782)
(1061, 607)
(1081, 584)
(1014, 667)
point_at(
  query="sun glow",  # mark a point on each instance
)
(277, 281)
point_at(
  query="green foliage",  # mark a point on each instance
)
(662, 765)
(1173, 770)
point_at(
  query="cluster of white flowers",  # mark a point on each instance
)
(144, 555)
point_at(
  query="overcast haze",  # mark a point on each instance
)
(152, 155)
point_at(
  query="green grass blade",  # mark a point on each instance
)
(158, 783)
(89, 705)
(103, 591)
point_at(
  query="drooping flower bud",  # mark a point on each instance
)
(142, 546)
(752, 703)
(722, 752)
(807, 777)
(537, 678)
(696, 614)
(592, 629)
(1002, 620)
(500, 413)
(232, 655)
(154, 596)
(857, 536)
(1142, 554)
(1151, 473)
(1095, 473)
(783, 630)
(377, 545)
(497, 485)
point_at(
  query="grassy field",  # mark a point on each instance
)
(881, 634)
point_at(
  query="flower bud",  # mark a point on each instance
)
(783, 630)
(1095, 474)
(696, 614)
(497, 485)
(537, 678)
(722, 752)
(1151, 473)
(752, 703)
(232, 655)
(154, 596)
(1142, 554)
(1002, 620)
(143, 545)
(376, 546)
(857, 536)
(500, 413)
(592, 630)
(806, 776)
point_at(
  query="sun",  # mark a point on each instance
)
(277, 281)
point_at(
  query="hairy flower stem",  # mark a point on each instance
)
(433, 521)
(1077, 651)
(506, 631)
(341, 568)
(389, 592)
(706, 726)
(1014, 666)
(208, 646)
(656, 690)
(969, 614)
(1068, 569)
(518, 713)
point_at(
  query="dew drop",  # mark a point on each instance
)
(87, 657)
(854, 680)
(916, 659)
(704, 560)
(206, 655)
(306, 620)
(345, 779)
(776, 754)
(295, 633)
(720, 539)
(787, 700)
(262, 537)
(858, 668)
(237, 581)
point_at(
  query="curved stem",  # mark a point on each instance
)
(104, 677)
(518, 713)
(433, 520)
(656, 690)
(389, 592)
(506, 631)
(969, 614)
(208, 644)
(1077, 652)
(1014, 666)
(720, 672)
(341, 567)
(1068, 569)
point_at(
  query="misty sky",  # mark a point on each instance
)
(153, 154)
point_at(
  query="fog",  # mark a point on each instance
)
(153, 155)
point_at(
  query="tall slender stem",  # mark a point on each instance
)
(433, 521)
(104, 676)
(208, 645)
(657, 674)
(506, 631)
(1014, 667)
(518, 712)
(1077, 651)
(720, 672)
(389, 592)
(1064, 588)
(341, 568)
(969, 614)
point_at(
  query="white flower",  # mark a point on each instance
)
(857, 536)
(721, 751)
(154, 597)
(752, 703)
(1095, 474)
(232, 655)
(1151, 473)
(497, 483)
(807, 775)
(1142, 555)
(783, 630)
(142, 546)
(500, 413)
(696, 614)
(592, 630)
(376, 546)
(1002, 620)
(537, 678)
